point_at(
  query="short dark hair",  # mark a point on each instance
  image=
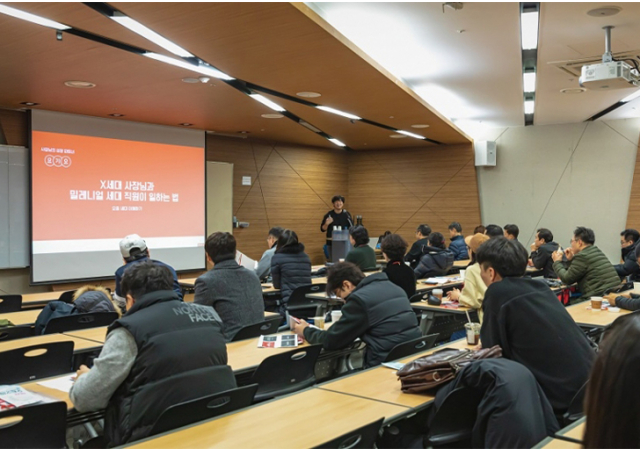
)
(630, 235)
(276, 232)
(288, 237)
(359, 234)
(424, 229)
(335, 198)
(220, 246)
(586, 235)
(494, 231)
(512, 230)
(545, 234)
(394, 246)
(455, 226)
(507, 257)
(145, 277)
(436, 240)
(479, 229)
(340, 272)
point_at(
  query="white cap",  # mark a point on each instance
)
(129, 242)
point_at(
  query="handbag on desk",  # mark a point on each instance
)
(436, 369)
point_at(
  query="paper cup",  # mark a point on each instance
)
(336, 315)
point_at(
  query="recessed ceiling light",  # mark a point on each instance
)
(308, 94)
(79, 84)
(116, 115)
(419, 125)
(244, 132)
(573, 90)
(29, 103)
(272, 116)
(191, 80)
(397, 136)
(186, 124)
(605, 11)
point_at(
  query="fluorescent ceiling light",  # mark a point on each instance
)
(529, 81)
(337, 142)
(338, 112)
(529, 30)
(266, 102)
(413, 135)
(205, 70)
(529, 106)
(32, 18)
(151, 35)
(628, 98)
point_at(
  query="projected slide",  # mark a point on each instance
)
(88, 192)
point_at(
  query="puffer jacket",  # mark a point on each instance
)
(459, 248)
(290, 268)
(542, 259)
(630, 264)
(591, 269)
(434, 263)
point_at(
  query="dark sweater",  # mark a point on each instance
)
(415, 253)
(630, 304)
(363, 256)
(402, 275)
(525, 318)
(542, 259)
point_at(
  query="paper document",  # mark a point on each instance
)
(393, 365)
(13, 396)
(279, 341)
(437, 280)
(245, 261)
(62, 384)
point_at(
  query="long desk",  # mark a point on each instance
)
(79, 344)
(27, 317)
(573, 431)
(40, 299)
(586, 317)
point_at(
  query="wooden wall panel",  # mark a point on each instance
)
(14, 128)
(633, 215)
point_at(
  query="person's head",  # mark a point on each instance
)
(358, 235)
(286, 239)
(474, 242)
(394, 247)
(499, 258)
(582, 238)
(436, 240)
(511, 231)
(543, 236)
(93, 299)
(423, 231)
(629, 237)
(493, 231)
(612, 402)
(143, 278)
(220, 246)
(342, 279)
(338, 202)
(133, 248)
(384, 235)
(274, 235)
(454, 229)
(479, 229)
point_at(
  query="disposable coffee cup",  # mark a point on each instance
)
(636, 287)
(335, 316)
(596, 303)
(462, 272)
(437, 293)
(341, 260)
(319, 322)
(473, 333)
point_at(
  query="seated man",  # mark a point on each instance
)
(511, 231)
(264, 266)
(457, 246)
(232, 290)
(493, 230)
(361, 254)
(375, 310)
(134, 250)
(437, 260)
(630, 301)
(160, 353)
(525, 318)
(585, 265)
(415, 252)
(541, 251)
(629, 266)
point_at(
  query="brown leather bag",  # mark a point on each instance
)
(431, 371)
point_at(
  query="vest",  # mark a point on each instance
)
(181, 356)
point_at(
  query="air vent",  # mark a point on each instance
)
(574, 67)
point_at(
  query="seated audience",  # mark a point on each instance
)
(479, 229)
(415, 252)
(264, 265)
(361, 254)
(134, 250)
(375, 310)
(511, 231)
(290, 267)
(160, 353)
(379, 243)
(87, 299)
(541, 252)
(437, 259)
(585, 265)
(457, 246)
(629, 266)
(525, 318)
(472, 293)
(393, 250)
(494, 231)
(612, 403)
(232, 290)
(630, 301)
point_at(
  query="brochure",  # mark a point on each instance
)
(279, 341)
(13, 396)
(245, 261)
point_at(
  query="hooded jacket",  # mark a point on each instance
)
(290, 268)
(459, 248)
(435, 262)
(542, 259)
(629, 266)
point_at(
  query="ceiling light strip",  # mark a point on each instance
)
(150, 35)
(18, 14)
(203, 69)
(529, 36)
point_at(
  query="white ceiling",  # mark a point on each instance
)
(474, 76)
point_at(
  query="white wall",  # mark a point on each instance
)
(560, 177)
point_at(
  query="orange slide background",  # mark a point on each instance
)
(173, 169)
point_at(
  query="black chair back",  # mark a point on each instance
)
(363, 437)
(10, 303)
(36, 361)
(286, 372)
(67, 296)
(80, 322)
(269, 326)
(412, 347)
(626, 286)
(576, 407)
(454, 420)
(204, 408)
(35, 426)
(302, 307)
(18, 332)
(419, 296)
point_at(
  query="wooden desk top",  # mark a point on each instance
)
(461, 264)
(382, 384)
(303, 420)
(424, 306)
(423, 287)
(98, 335)
(588, 317)
(575, 431)
(245, 354)
(54, 394)
(187, 282)
(78, 343)
(27, 317)
(41, 297)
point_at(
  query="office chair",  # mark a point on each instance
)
(10, 303)
(80, 322)
(412, 347)
(269, 326)
(43, 425)
(36, 361)
(363, 437)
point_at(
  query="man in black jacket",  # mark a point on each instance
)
(525, 318)
(416, 251)
(376, 311)
(628, 243)
(541, 251)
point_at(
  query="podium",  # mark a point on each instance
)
(340, 245)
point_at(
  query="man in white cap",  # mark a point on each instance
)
(134, 250)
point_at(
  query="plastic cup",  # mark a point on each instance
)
(437, 293)
(596, 303)
(636, 287)
(473, 333)
(319, 322)
(336, 315)
(462, 272)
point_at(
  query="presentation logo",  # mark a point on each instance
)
(57, 161)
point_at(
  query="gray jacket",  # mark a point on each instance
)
(235, 294)
(264, 266)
